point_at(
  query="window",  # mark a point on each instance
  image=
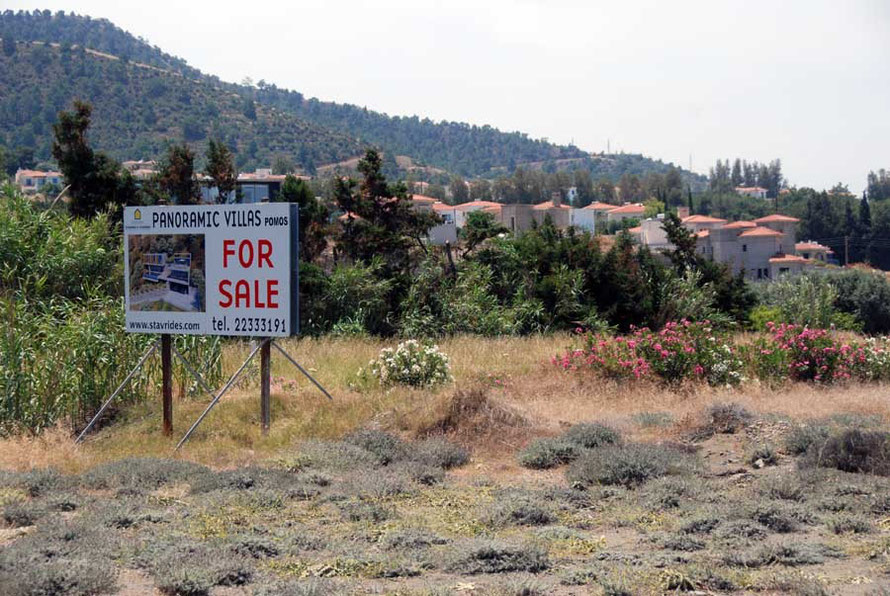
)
(759, 273)
(744, 248)
(513, 223)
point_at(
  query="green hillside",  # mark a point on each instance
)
(138, 108)
(143, 97)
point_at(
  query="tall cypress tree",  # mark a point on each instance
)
(864, 216)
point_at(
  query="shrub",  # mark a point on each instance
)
(803, 437)
(679, 352)
(592, 435)
(650, 419)
(543, 454)
(440, 453)
(701, 525)
(149, 473)
(849, 524)
(307, 587)
(496, 557)
(385, 447)
(785, 488)
(779, 518)
(788, 554)
(411, 363)
(763, 455)
(855, 451)
(411, 538)
(627, 465)
(19, 515)
(742, 528)
(728, 418)
(357, 511)
(665, 493)
(518, 512)
(683, 542)
(814, 355)
(71, 577)
(336, 455)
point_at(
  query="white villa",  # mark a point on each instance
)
(31, 181)
(763, 248)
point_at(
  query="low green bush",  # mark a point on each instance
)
(511, 510)
(849, 524)
(385, 447)
(411, 363)
(804, 436)
(440, 453)
(543, 454)
(727, 418)
(499, 557)
(19, 515)
(590, 435)
(628, 465)
(854, 451)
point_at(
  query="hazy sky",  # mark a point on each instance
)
(807, 81)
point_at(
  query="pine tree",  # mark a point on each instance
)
(864, 216)
(177, 175)
(380, 221)
(221, 169)
(312, 220)
(94, 177)
(683, 256)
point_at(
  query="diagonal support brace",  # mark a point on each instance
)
(149, 352)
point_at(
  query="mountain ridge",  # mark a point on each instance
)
(314, 133)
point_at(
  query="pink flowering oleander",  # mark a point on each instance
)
(683, 350)
(690, 351)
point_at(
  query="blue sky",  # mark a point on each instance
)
(802, 80)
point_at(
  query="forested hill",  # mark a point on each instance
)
(137, 108)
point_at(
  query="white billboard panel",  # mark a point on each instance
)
(212, 269)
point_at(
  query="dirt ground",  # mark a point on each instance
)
(487, 486)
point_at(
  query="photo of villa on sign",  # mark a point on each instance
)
(167, 273)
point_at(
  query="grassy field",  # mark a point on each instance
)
(484, 486)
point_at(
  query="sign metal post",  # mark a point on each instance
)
(265, 385)
(167, 382)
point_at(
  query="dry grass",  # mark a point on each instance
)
(530, 398)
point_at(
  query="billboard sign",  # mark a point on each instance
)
(212, 269)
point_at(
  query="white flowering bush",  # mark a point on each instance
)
(877, 358)
(411, 363)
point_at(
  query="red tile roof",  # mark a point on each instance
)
(550, 205)
(776, 218)
(761, 232)
(440, 206)
(636, 230)
(789, 259)
(736, 225)
(632, 208)
(750, 189)
(476, 205)
(703, 219)
(423, 199)
(37, 173)
(703, 233)
(813, 246)
(598, 206)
